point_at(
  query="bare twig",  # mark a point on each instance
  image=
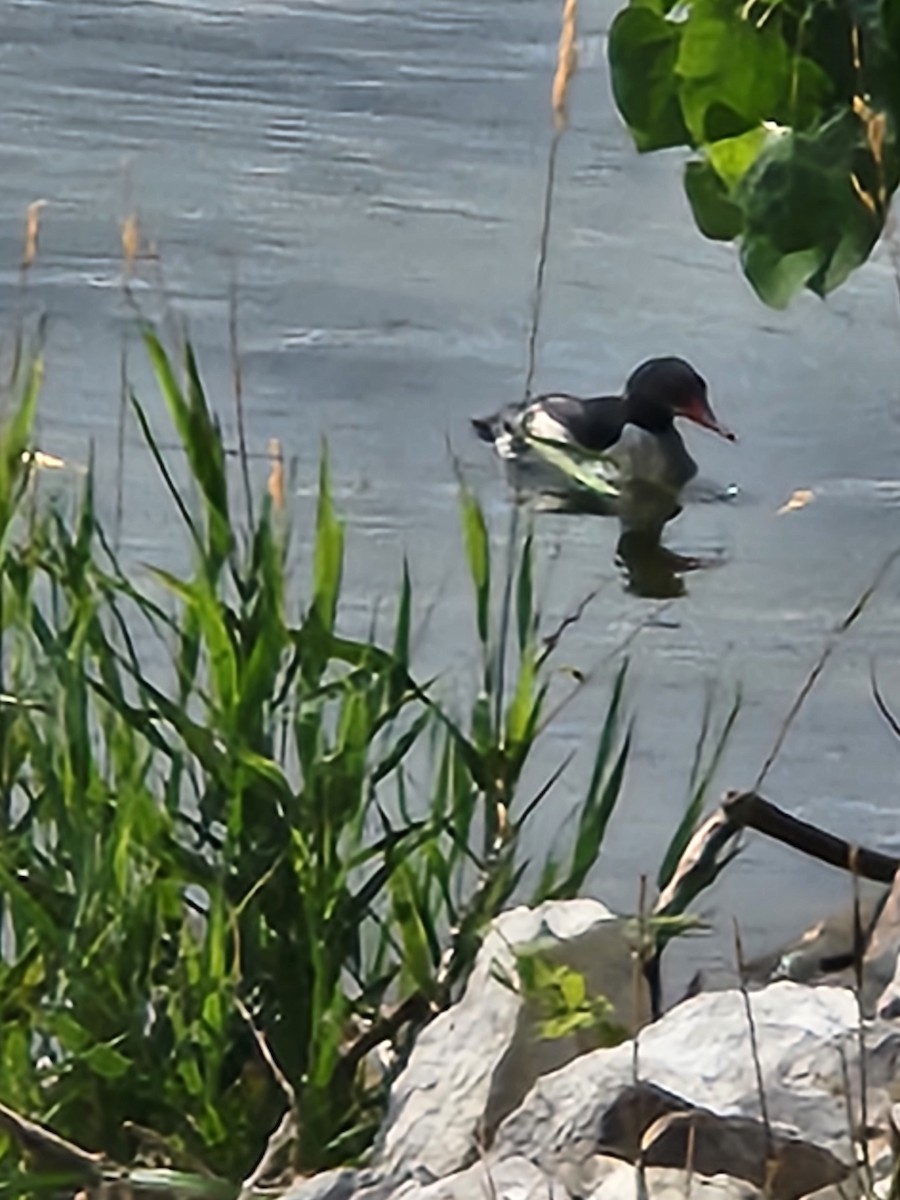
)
(47, 1147)
(237, 376)
(754, 812)
(747, 810)
(266, 1053)
(819, 665)
(32, 232)
(414, 1009)
(583, 679)
(859, 950)
(639, 956)
(275, 483)
(754, 1050)
(712, 846)
(851, 1124)
(537, 299)
(566, 63)
(131, 242)
(639, 1166)
(699, 863)
(689, 1159)
(287, 1133)
(552, 640)
(545, 788)
(880, 702)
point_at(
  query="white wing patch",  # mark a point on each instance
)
(541, 424)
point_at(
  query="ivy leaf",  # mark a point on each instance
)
(733, 76)
(717, 216)
(806, 224)
(732, 158)
(643, 49)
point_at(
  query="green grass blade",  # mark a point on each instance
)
(15, 436)
(163, 468)
(525, 594)
(700, 780)
(417, 962)
(477, 544)
(602, 795)
(598, 809)
(220, 649)
(401, 632)
(202, 441)
(328, 560)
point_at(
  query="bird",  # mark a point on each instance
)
(631, 438)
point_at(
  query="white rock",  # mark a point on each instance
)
(473, 1064)
(667, 1183)
(701, 1052)
(513, 1179)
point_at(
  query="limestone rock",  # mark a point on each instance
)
(512, 1179)
(701, 1053)
(666, 1183)
(785, 1167)
(473, 1064)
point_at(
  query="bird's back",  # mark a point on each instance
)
(595, 423)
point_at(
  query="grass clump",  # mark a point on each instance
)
(220, 889)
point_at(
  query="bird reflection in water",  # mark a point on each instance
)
(650, 569)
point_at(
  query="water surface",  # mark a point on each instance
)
(374, 174)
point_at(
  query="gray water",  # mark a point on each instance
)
(373, 172)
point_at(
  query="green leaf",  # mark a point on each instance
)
(401, 632)
(643, 49)
(328, 562)
(106, 1060)
(202, 441)
(733, 74)
(475, 538)
(806, 224)
(701, 778)
(890, 13)
(211, 624)
(776, 276)
(15, 435)
(401, 747)
(602, 796)
(732, 158)
(525, 595)
(717, 216)
(417, 960)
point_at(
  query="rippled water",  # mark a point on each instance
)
(374, 174)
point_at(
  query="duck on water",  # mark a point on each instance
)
(630, 438)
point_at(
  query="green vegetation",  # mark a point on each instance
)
(239, 850)
(792, 108)
(221, 883)
(562, 1003)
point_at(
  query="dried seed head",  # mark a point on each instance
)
(131, 241)
(275, 485)
(566, 64)
(876, 130)
(32, 229)
(863, 195)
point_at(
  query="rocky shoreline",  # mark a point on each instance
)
(781, 1091)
